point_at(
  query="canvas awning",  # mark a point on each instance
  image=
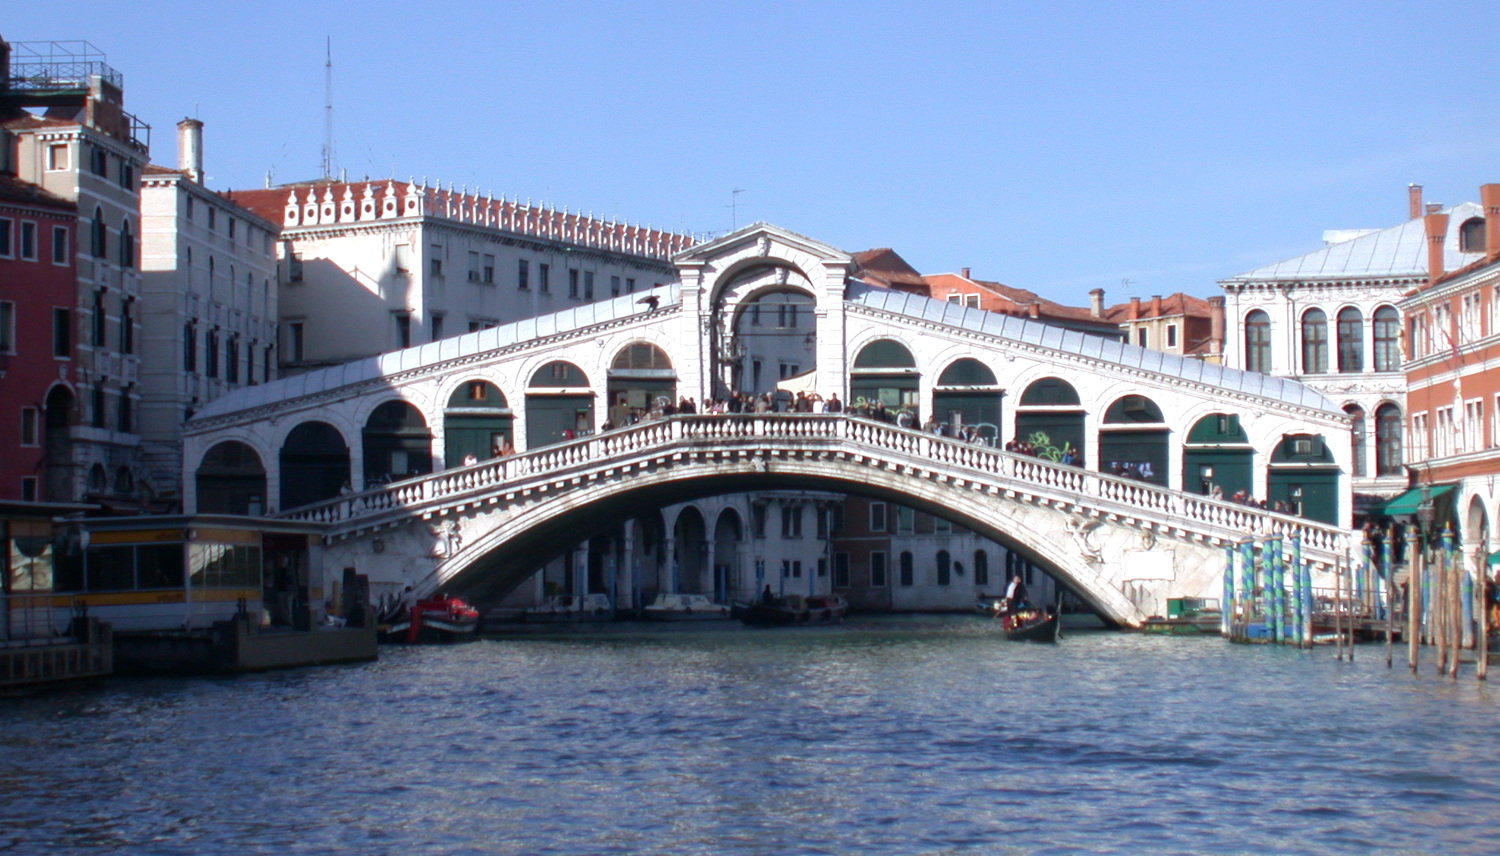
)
(1407, 502)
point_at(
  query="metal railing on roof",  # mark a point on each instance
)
(58, 66)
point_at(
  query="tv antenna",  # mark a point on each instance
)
(328, 112)
(734, 208)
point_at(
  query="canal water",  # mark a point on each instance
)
(900, 735)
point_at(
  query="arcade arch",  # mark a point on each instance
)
(884, 375)
(1217, 458)
(1134, 440)
(1050, 417)
(640, 379)
(967, 394)
(559, 404)
(397, 444)
(1304, 479)
(314, 464)
(476, 423)
(231, 480)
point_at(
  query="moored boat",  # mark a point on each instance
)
(440, 618)
(568, 607)
(683, 607)
(792, 609)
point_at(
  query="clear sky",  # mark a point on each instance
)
(1142, 147)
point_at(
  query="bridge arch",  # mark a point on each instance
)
(477, 422)
(967, 393)
(231, 479)
(559, 404)
(885, 371)
(689, 555)
(314, 464)
(396, 442)
(728, 546)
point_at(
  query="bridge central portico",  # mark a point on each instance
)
(1131, 449)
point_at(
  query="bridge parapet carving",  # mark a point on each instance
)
(770, 441)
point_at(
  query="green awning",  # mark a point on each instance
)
(1494, 559)
(1407, 502)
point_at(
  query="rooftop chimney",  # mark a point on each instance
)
(1413, 201)
(965, 273)
(1489, 197)
(1096, 303)
(1216, 323)
(1437, 232)
(1156, 306)
(190, 149)
(1135, 308)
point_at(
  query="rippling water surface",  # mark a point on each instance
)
(890, 736)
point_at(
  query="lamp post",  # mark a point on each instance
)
(1414, 582)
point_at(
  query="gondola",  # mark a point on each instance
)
(1031, 625)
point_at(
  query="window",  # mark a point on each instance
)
(1171, 335)
(7, 327)
(1314, 342)
(877, 569)
(57, 156)
(629, 285)
(473, 267)
(544, 278)
(229, 222)
(98, 240)
(294, 268)
(908, 577)
(614, 286)
(127, 181)
(573, 283)
(981, 568)
(1141, 337)
(944, 568)
(906, 520)
(190, 346)
(97, 408)
(211, 213)
(487, 273)
(437, 327)
(59, 245)
(1351, 340)
(28, 488)
(30, 435)
(786, 315)
(1469, 317)
(127, 326)
(791, 521)
(877, 517)
(6, 227)
(588, 285)
(1473, 436)
(1357, 437)
(1418, 436)
(232, 359)
(125, 417)
(188, 210)
(98, 161)
(1258, 341)
(1387, 339)
(403, 329)
(99, 320)
(523, 275)
(28, 240)
(840, 570)
(1471, 235)
(211, 353)
(62, 333)
(1442, 434)
(435, 261)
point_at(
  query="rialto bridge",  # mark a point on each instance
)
(467, 462)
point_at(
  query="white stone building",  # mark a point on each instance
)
(1330, 318)
(375, 266)
(208, 294)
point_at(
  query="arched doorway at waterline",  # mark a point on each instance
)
(728, 535)
(775, 338)
(231, 479)
(476, 423)
(884, 373)
(967, 394)
(314, 464)
(1133, 440)
(1217, 458)
(1050, 417)
(57, 452)
(1303, 479)
(689, 552)
(641, 379)
(559, 405)
(397, 444)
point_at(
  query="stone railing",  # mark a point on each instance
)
(773, 436)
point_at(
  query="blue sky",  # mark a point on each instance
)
(1142, 147)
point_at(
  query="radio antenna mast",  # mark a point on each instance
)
(328, 164)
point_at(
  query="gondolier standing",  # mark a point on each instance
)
(1015, 592)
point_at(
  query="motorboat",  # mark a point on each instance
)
(826, 608)
(570, 607)
(437, 619)
(683, 607)
(792, 609)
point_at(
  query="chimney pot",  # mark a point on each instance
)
(1096, 303)
(190, 149)
(1413, 201)
(1434, 207)
(1436, 227)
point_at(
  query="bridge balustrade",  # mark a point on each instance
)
(754, 434)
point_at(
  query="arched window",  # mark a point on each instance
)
(97, 235)
(1357, 437)
(127, 245)
(906, 569)
(981, 568)
(1314, 342)
(1351, 340)
(1388, 440)
(1471, 236)
(1258, 341)
(1387, 339)
(944, 568)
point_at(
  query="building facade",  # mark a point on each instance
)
(1332, 319)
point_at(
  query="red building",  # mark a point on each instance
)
(37, 295)
(1452, 365)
